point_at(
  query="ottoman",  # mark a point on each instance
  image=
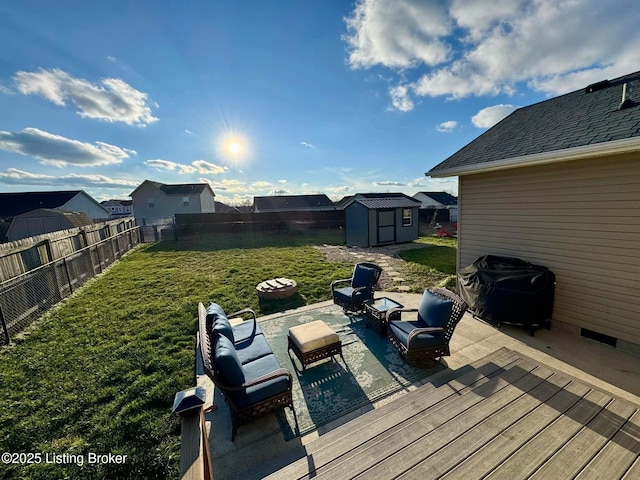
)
(314, 341)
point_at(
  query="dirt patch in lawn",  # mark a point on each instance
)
(395, 276)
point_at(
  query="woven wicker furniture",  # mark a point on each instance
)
(242, 366)
(350, 293)
(313, 341)
(426, 339)
(376, 312)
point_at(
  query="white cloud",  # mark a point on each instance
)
(114, 100)
(60, 151)
(400, 98)
(6, 90)
(488, 117)
(551, 46)
(207, 167)
(13, 176)
(397, 34)
(307, 145)
(200, 166)
(389, 183)
(447, 126)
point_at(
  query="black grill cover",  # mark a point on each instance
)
(508, 290)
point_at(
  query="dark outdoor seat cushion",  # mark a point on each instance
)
(226, 361)
(434, 310)
(402, 329)
(252, 349)
(347, 295)
(363, 277)
(262, 391)
(243, 331)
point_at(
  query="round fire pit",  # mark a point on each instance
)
(277, 288)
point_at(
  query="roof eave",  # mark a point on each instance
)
(615, 147)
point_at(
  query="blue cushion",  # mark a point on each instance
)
(434, 310)
(227, 362)
(244, 331)
(218, 323)
(252, 350)
(363, 277)
(346, 295)
(257, 393)
(402, 329)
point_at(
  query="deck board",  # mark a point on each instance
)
(509, 417)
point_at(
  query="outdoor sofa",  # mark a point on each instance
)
(241, 364)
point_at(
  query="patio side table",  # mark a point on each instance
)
(376, 313)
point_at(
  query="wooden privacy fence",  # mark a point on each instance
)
(26, 297)
(237, 222)
(24, 255)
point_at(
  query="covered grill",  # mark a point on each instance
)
(508, 290)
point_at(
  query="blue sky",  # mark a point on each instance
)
(322, 96)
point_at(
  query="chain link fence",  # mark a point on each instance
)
(25, 298)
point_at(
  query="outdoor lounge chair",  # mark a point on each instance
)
(360, 288)
(426, 338)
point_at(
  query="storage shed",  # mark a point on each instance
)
(374, 219)
(44, 220)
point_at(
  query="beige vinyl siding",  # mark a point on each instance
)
(580, 218)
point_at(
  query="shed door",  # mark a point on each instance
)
(386, 226)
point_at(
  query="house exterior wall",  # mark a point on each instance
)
(581, 219)
(83, 203)
(166, 206)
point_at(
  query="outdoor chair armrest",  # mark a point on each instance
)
(281, 372)
(244, 311)
(335, 282)
(417, 331)
(391, 311)
(239, 313)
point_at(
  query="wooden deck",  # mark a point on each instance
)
(505, 417)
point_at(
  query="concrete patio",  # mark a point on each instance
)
(263, 451)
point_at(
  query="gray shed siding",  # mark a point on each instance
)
(357, 225)
(579, 218)
(408, 233)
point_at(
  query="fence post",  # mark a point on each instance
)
(4, 326)
(66, 269)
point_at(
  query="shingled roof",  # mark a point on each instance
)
(583, 122)
(12, 204)
(292, 202)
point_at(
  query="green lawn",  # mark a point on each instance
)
(433, 265)
(99, 373)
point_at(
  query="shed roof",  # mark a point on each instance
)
(566, 127)
(383, 200)
(443, 198)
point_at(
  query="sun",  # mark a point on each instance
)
(234, 147)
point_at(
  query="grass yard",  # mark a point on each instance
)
(100, 372)
(433, 265)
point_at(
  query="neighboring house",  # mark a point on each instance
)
(224, 208)
(374, 219)
(298, 203)
(557, 183)
(119, 208)
(439, 200)
(156, 203)
(12, 204)
(44, 220)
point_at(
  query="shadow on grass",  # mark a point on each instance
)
(268, 306)
(227, 241)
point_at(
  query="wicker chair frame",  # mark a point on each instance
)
(355, 307)
(241, 415)
(423, 356)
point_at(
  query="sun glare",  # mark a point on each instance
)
(234, 147)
